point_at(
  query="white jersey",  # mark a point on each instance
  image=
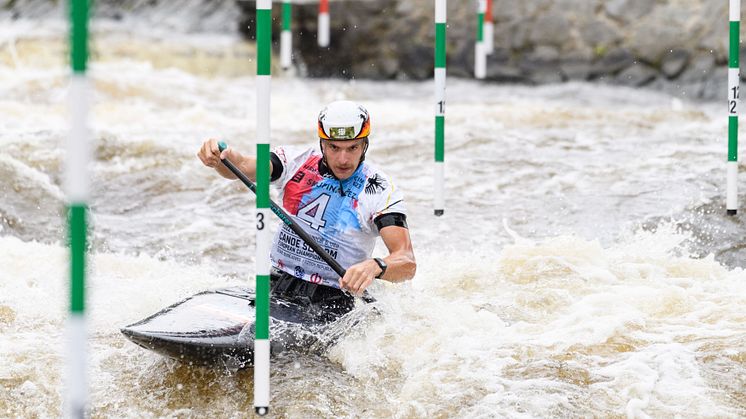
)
(339, 215)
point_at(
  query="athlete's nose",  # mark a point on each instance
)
(346, 158)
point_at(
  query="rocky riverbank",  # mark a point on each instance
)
(676, 45)
(680, 46)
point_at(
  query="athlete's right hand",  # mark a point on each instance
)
(210, 154)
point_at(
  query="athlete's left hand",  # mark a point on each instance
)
(359, 276)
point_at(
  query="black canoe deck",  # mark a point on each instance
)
(217, 327)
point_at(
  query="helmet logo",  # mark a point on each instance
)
(342, 133)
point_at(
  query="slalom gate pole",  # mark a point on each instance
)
(489, 30)
(286, 36)
(440, 105)
(323, 28)
(263, 86)
(77, 191)
(480, 59)
(733, 101)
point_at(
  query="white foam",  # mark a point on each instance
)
(466, 328)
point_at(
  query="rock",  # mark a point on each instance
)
(549, 30)
(715, 36)
(512, 35)
(575, 68)
(714, 86)
(542, 65)
(465, 58)
(502, 67)
(579, 15)
(545, 54)
(387, 67)
(599, 33)
(700, 68)
(412, 60)
(547, 76)
(628, 10)
(664, 29)
(533, 7)
(506, 74)
(612, 62)
(637, 75)
(507, 11)
(674, 63)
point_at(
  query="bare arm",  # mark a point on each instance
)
(400, 261)
(210, 156)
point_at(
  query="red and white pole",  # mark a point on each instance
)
(489, 30)
(323, 29)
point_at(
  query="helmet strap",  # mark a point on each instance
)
(365, 150)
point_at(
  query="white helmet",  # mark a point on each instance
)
(343, 120)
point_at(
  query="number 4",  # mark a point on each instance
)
(313, 212)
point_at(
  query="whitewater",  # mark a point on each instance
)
(584, 265)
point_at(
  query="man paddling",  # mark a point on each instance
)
(342, 201)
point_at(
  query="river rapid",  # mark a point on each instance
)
(584, 265)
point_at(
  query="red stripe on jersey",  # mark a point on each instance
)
(301, 184)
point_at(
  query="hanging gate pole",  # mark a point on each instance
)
(480, 56)
(263, 85)
(733, 101)
(77, 191)
(286, 36)
(323, 28)
(440, 104)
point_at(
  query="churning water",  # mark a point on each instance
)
(583, 267)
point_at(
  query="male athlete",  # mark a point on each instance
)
(341, 200)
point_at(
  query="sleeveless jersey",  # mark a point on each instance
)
(339, 215)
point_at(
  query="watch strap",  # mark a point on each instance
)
(382, 265)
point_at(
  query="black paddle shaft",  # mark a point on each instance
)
(285, 217)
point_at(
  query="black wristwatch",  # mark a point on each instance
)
(382, 265)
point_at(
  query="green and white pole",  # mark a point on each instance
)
(77, 191)
(286, 36)
(480, 57)
(440, 104)
(733, 82)
(489, 30)
(323, 28)
(263, 86)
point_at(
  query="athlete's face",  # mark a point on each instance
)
(343, 157)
